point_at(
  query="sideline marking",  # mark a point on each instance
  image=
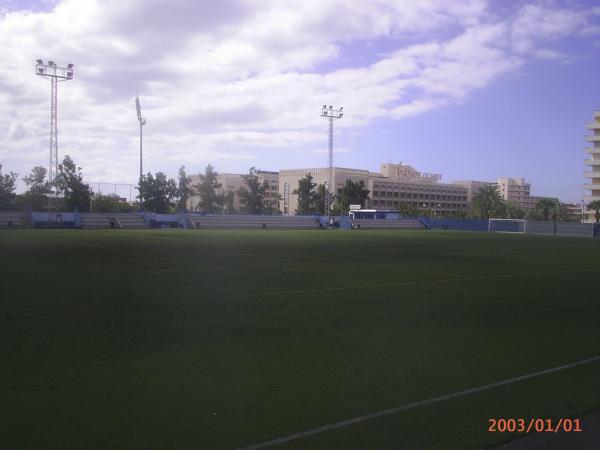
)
(412, 282)
(387, 412)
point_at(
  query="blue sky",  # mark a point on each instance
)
(470, 89)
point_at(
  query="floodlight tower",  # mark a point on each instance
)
(331, 114)
(55, 74)
(142, 122)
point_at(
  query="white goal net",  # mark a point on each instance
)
(508, 225)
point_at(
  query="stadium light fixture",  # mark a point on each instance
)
(55, 74)
(331, 115)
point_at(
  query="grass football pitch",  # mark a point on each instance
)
(173, 339)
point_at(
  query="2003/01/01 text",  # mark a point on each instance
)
(534, 425)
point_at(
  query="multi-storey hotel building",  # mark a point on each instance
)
(593, 162)
(394, 185)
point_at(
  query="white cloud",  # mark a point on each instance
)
(224, 81)
(534, 23)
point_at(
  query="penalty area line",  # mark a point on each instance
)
(387, 412)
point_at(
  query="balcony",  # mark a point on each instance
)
(592, 162)
(590, 198)
(592, 187)
(593, 126)
(592, 150)
(591, 174)
(593, 138)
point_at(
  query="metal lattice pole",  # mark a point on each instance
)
(55, 74)
(330, 185)
(141, 154)
(331, 114)
(142, 122)
(53, 163)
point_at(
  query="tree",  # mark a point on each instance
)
(229, 208)
(209, 189)
(319, 199)
(38, 189)
(69, 182)
(352, 193)
(306, 195)
(184, 190)
(595, 205)
(253, 194)
(272, 205)
(408, 210)
(106, 204)
(513, 211)
(487, 202)
(546, 208)
(36, 181)
(565, 215)
(7, 189)
(157, 193)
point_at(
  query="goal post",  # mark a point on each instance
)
(507, 225)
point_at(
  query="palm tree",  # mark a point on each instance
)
(595, 205)
(352, 193)
(487, 202)
(546, 207)
(513, 211)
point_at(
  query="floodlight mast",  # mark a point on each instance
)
(55, 74)
(331, 114)
(142, 123)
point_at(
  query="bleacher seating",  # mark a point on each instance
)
(252, 222)
(131, 221)
(387, 224)
(12, 220)
(98, 220)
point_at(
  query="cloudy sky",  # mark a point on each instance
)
(470, 89)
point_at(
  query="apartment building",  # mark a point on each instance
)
(518, 191)
(592, 172)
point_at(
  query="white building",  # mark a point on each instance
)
(593, 162)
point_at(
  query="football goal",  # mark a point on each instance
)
(508, 225)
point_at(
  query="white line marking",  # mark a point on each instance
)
(411, 282)
(387, 412)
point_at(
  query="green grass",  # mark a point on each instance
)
(178, 339)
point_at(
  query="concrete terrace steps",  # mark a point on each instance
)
(12, 219)
(131, 221)
(388, 224)
(98, 220)
(252, 222)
